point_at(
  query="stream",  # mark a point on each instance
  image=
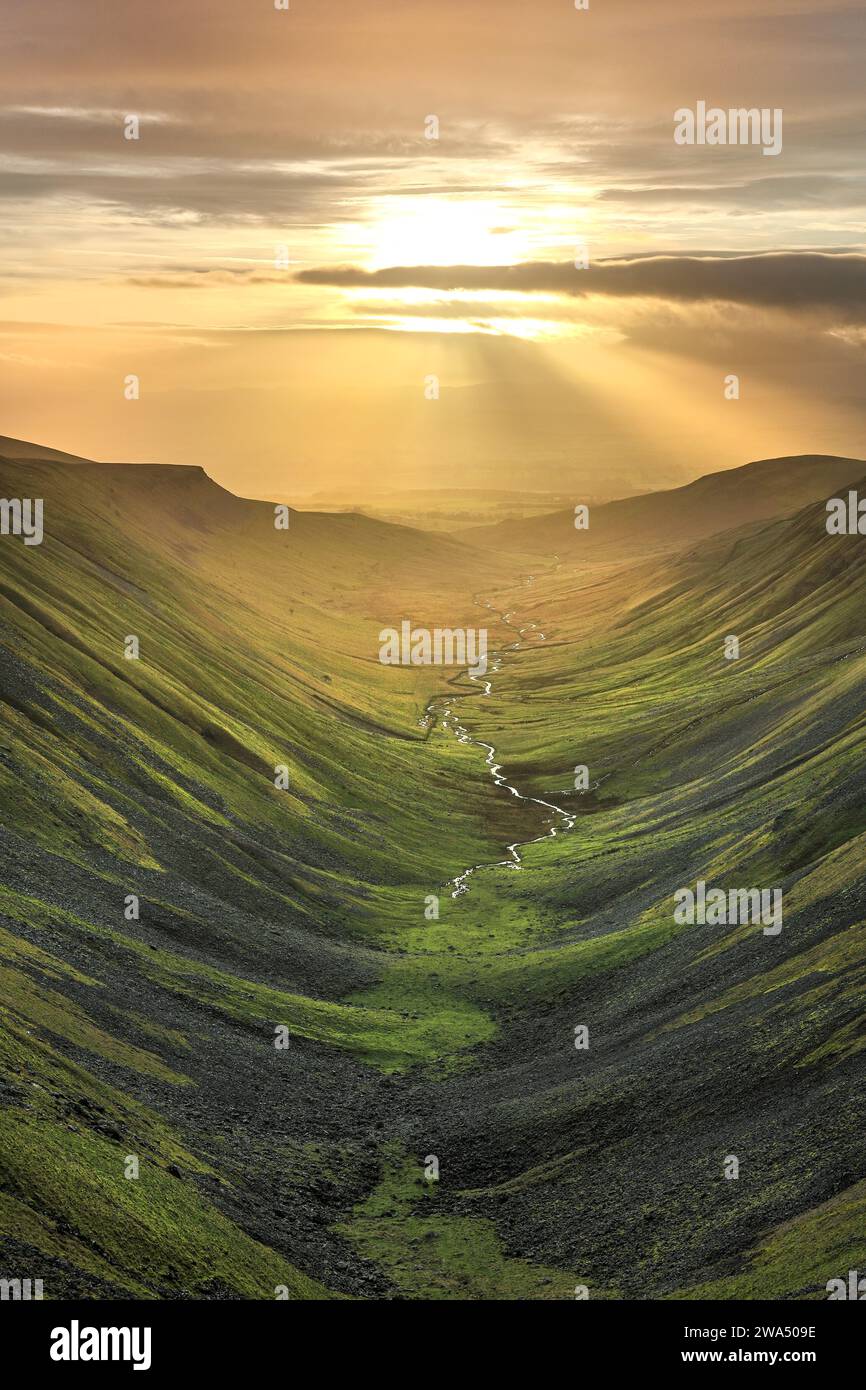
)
(441, 710)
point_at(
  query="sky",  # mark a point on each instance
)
(397, 244)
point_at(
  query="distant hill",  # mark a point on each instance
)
(678, 516)
(445, 509)
(203, 524)
(21, 449)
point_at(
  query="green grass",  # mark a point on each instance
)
(433, 1255)
(799, 1258)
(305, 907)
(152, 1235)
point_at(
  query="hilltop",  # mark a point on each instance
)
(678, 516)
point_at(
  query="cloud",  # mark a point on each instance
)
(778, 280)
(87, 114)
(790, 191)
(199, 277)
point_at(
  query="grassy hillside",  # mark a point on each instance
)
(306, 1168)
(155, 777)
(705, 1041)
(22, 449)
(674, 517)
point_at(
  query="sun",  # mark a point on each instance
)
(459, 230)
(442, 231)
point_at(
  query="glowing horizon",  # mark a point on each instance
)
(412, 195)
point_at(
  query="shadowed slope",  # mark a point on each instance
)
(705, 1041)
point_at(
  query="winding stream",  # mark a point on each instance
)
(441, 709)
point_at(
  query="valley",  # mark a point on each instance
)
(302, 908)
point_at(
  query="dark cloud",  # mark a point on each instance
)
(786, 280)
